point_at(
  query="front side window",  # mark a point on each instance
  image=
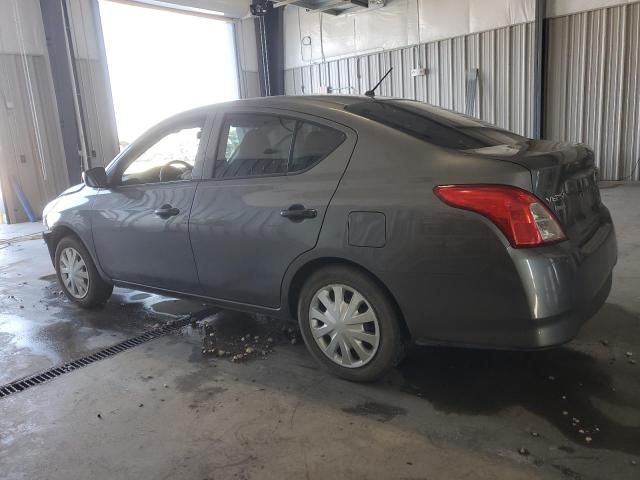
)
(171, 158)
(259, 145)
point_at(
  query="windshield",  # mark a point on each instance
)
(435, 125)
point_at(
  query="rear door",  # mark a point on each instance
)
(269, 179)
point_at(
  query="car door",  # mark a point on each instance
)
(262, 199)
(140, 223)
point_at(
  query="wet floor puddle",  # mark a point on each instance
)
(379, 411)
(39, 320)
(62, 331)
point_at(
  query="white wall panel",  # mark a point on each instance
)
(21, 27)
(521, 11)
(383, 28)
(399, 24)
(489, 14)
(339, 34)
(440, 19)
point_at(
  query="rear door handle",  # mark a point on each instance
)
(297, 213)
(166, 211)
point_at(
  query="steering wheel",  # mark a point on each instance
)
(184, 164)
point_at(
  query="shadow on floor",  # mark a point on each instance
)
(563, 385)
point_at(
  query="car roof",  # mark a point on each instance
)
(294, 102)
(315, 100)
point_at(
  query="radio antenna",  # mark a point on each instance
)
(372, 93)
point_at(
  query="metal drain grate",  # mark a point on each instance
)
(39, 378)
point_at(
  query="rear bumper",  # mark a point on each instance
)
(565, 286)
(561, 287)
(552, 331)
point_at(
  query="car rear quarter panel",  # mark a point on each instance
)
(448, 269)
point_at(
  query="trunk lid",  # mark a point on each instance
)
(564, 176)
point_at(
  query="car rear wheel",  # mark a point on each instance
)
(78, 276)
(349, 324)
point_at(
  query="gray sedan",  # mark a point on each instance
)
(372, 222)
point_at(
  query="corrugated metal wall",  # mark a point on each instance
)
(31, 148)
(504, 91)
(592, 90)
(593, 86)
(30, 141)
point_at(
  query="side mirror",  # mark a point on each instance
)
(95, 177)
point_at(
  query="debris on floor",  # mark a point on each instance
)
(240, 337)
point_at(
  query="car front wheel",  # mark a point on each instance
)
(349, 324)
(78, 276)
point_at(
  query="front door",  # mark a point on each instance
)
(264, 200)
(141, 223)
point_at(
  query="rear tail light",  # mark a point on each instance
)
(520, 215)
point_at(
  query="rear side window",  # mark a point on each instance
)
(259, 145)
(435, 125)
(312, 144)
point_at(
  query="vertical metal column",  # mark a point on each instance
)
(63, 82)
(539, 68)
(270, 43)
(77, 96)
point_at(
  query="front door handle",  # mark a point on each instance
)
(166, 211)
(297, 213)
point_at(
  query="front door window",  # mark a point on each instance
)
(171, 158)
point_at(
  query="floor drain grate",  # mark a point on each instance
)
(39, 378)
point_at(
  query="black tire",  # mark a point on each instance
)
(392, 340)
(98, 291)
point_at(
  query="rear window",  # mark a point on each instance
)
(435, 125)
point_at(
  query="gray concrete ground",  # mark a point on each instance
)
(165, 410)
(19, 230)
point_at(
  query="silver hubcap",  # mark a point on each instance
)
(74, 273)
(344, 325)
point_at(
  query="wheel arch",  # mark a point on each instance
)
(61, 231)
(304, 271)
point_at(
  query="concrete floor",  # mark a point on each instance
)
(165, 410)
